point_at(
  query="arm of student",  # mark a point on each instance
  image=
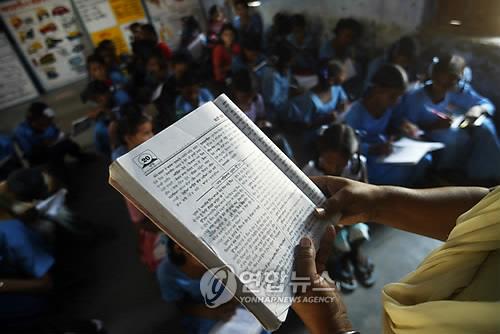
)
(478, 102)
(428, 212)
(30, 285)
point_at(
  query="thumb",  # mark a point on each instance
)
(333, 205)
(305, 259)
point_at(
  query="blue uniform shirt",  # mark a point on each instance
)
(475, 153)
(374, 131)
(417, 106)
(183, 107)
(22, 254)
(308, 107)
(275, 89)
(27, 138)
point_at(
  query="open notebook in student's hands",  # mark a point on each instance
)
(408, 151)
(221, 189)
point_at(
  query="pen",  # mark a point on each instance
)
(440, 114)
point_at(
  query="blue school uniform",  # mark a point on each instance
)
(275, 89)
(22, 254)
(120, 97)
(101, 136)
(309, 107)
(176, 286)
(27, 138)
(374, 131)
(238, 64)
(117, 78)
(474, 151)
(183, 107)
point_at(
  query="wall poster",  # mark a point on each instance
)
(16, 85)
(111, 19)
(49, 37)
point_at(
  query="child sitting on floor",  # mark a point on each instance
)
(375, 117)
(179, 276)
(134, 128)
(191, 95)
(41, 141)
(338, 155)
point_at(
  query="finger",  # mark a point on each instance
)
(305, 264)
(329, 185)
(332, 206)
(325, 248)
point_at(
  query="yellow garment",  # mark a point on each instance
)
(456, 288)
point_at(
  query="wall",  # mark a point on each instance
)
(384, 20)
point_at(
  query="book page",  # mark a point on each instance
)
(266, 145)
(408, 151)
(216, 182)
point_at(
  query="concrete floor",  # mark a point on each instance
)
(111, 284)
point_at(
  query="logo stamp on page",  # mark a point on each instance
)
(147, 160)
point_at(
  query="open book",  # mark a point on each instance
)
(221, 189)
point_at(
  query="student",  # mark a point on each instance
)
(403, 52)
(250, 57)
(246, 22)
(106, 50)
(338, 155)
(216, 20)
(346, 33)
(97, 95)
(135, 29)
(180, 63)
(191, 31)
(149, 35)
(325, 102)
(244, 94)
(223, 53)
(179, 276)
(25, 260)
(98, 70)
(275, 83)
(305, 50)
(474, 151)
(321, 106)
(134, 128)
(191, 95)
(163, 90)
(375, 118)
(42, 141)
(278, 31)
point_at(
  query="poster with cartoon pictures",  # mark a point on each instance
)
(167, 15)
(16, 85)
(48, 34)
(111, 19)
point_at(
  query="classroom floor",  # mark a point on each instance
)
(110, 282)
